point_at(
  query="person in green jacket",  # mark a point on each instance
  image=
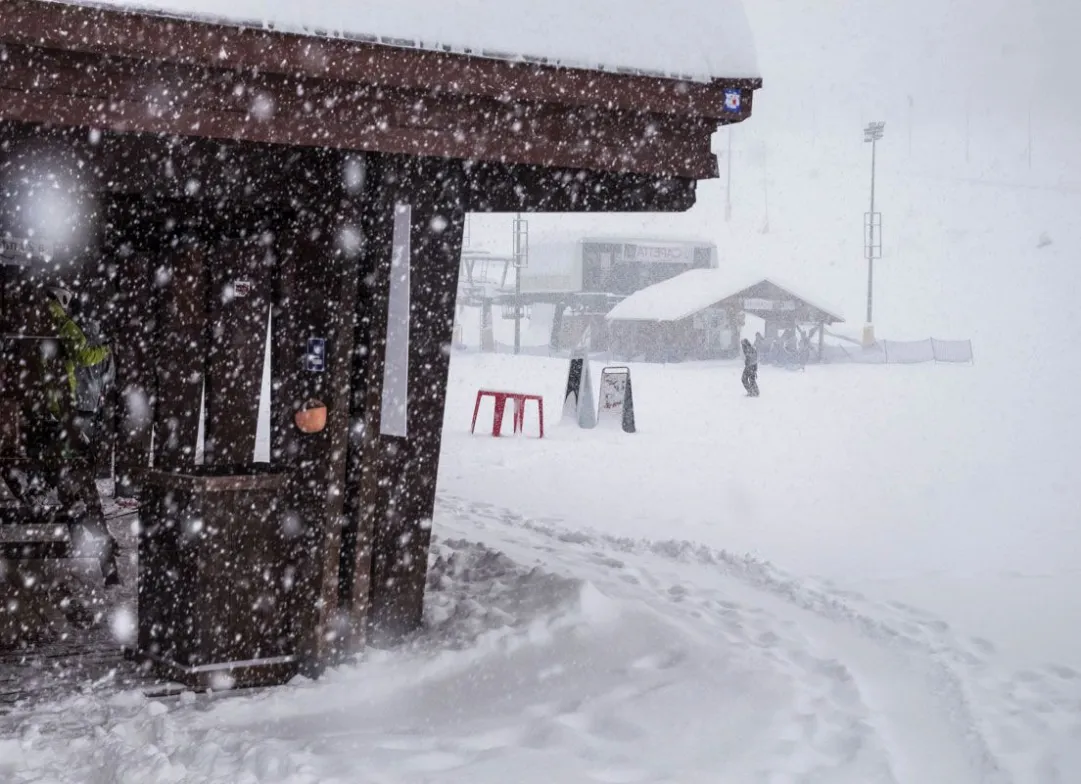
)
(68, 437)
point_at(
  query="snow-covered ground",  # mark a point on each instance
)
(848, 579)
(896, 478)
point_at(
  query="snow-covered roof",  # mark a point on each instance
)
(689, 39)
(686, 294)
(676, 298)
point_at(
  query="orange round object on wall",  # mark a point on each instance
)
(312, 418)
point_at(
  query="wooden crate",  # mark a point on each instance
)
(215, 582)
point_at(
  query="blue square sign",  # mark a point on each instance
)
(316, 359)
(733, 100)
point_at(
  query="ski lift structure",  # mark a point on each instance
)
(483, 276)
(481, 282)
(478, 286)
(280, 174)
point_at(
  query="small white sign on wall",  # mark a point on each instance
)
(394, 408)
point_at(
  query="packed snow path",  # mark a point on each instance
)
(556, 655)
(879, 692)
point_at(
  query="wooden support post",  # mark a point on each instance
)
(238, 301)
(399, 468)
(821, 337)
(133, 337)
(318, 274)
(180, 355)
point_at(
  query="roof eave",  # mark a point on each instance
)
(219, 44)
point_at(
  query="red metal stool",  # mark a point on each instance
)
(501, 398)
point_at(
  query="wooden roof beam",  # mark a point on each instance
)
(140, 35)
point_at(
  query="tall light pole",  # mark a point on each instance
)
(873, 220)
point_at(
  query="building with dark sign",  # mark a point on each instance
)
(584, 278)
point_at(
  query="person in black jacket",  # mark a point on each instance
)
(750, 368)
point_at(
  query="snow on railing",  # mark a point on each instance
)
(903, 352)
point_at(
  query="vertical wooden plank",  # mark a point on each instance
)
(133, 338)
(355, 561)
(399, 474)
(10, 403)
(238, 297)
(316, 298)
(134, 238)
(179, 358)
(365, 493)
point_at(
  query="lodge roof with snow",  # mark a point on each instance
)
(695, 290)
(407, 79)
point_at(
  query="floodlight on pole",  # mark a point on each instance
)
(873, 220)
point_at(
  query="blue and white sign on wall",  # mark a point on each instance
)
(733, 100)
(317, 355)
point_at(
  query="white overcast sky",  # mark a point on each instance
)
(869, 55)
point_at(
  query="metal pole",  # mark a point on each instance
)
(518, 284)
(872, 133)
(728, 188)
(871, 238)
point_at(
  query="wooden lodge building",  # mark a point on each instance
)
(198, 175)
(700, 314)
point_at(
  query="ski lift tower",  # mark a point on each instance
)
(872, 231)
(521, 260)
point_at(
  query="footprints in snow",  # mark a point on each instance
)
(828, 715)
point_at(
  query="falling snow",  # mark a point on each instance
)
(257, 261)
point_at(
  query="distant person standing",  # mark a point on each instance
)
(750, 368)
